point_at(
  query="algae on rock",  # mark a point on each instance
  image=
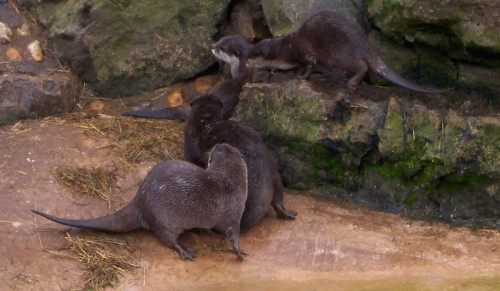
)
(130, 47)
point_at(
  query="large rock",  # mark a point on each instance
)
(284, 16)
(127, 47)
(397, 154)
(24, 96)
(465, 29)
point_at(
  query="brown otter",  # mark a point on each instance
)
(206, 127)
(326, 38)
(177, 196)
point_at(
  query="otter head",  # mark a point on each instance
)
(230, 163)
(206, 109)
(233, 50)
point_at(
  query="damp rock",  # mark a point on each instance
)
(5, 33)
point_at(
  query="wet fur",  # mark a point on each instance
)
(177, 196)
(206, 127)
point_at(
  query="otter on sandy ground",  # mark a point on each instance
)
(326, 38)
(177, 196)
(206, 127)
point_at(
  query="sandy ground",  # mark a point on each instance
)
(329, 246)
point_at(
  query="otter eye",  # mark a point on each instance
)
(210, 160)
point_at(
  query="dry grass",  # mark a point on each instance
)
(136, 139)
(93, 182)
(104, 259)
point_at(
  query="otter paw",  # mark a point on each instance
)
(287, 214)
(186, 253)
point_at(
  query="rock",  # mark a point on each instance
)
(246, 18)
(204, 84)
(174, 99)
(465, 29)
(23, 96)
(96, 106)
(5, 33)
(35, 49)
(471, 76)
(283, 17)
(13, 54)
(398, 154)
(24, 30)
(133, 46)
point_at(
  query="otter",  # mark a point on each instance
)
(228, 92)
(176, 196)
(207, 127)
(326, 38)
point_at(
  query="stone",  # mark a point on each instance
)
(175, 99)
(5, 33)
(204, 84)
(96, 106)
(401, 154)
(13, 54)
(24, 96)
(24, 30)
(36, 51)
(284, 16)
(130, 47)
(465, 29)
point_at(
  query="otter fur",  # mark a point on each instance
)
(207, 127)
(176, 196)
(325, 39)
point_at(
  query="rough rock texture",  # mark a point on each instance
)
(31, 88)
(128, 47)
(467, 29)
(24, 96)
(283, 16)
(397, 154)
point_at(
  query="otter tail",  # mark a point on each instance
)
(173, 113)
(387, 73)
(124, 220)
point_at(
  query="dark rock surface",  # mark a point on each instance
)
(30, 87)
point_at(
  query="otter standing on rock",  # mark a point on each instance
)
(177, 196)
(326, 38)
(206, 127)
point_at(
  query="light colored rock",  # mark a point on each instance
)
(36, 51)
(175, 99)
(13, 54)
(204, 84)
(5, 33)
(24, 30)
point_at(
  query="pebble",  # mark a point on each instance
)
(24, 30)
(174, 99)
(97, 106)
(204, 84)
(5, 33)
(13, 54)
(35, 48)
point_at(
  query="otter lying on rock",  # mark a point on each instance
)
(177, 196)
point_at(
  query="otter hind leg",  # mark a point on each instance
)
(360, 72)
(233, 234)
(282, 212)
(170, 238)
(277, 201)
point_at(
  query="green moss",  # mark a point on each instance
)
(455, 182)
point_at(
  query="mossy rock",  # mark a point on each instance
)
(128, 47)
(451, 27)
